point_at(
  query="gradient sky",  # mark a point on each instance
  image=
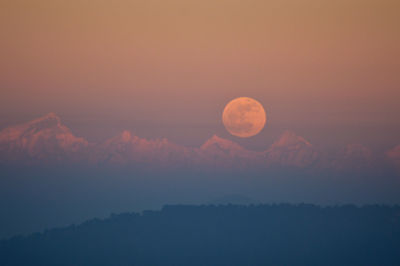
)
(328, 70)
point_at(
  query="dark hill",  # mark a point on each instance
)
(220, 235)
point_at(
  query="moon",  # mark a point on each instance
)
(244, 117)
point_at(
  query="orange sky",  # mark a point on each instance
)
(315, 65)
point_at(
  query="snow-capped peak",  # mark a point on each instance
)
(216, 142)
(291, 150)
(39, 138)
(289, 138)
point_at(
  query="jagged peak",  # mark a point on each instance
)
(222, 143)
(49, 121)
(394, 153)
(123, 137)
(41, 135)
(47, 118)
(216, 138)
(51, 115)
(289, 138)
(356, 149)
(395, 149)
(126, 136)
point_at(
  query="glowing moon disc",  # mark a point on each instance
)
(244, 117)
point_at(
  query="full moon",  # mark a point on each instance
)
(244, 117)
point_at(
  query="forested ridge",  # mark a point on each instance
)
(281, 234)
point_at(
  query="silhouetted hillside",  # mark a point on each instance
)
(220, 235)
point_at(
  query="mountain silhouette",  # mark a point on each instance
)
(235, 199)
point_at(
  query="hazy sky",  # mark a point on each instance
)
(328, 70)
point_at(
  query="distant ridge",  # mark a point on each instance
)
(235, 199)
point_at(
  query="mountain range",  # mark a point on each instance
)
(47, 140)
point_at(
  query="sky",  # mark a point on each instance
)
(326, 72)
(167, 68)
